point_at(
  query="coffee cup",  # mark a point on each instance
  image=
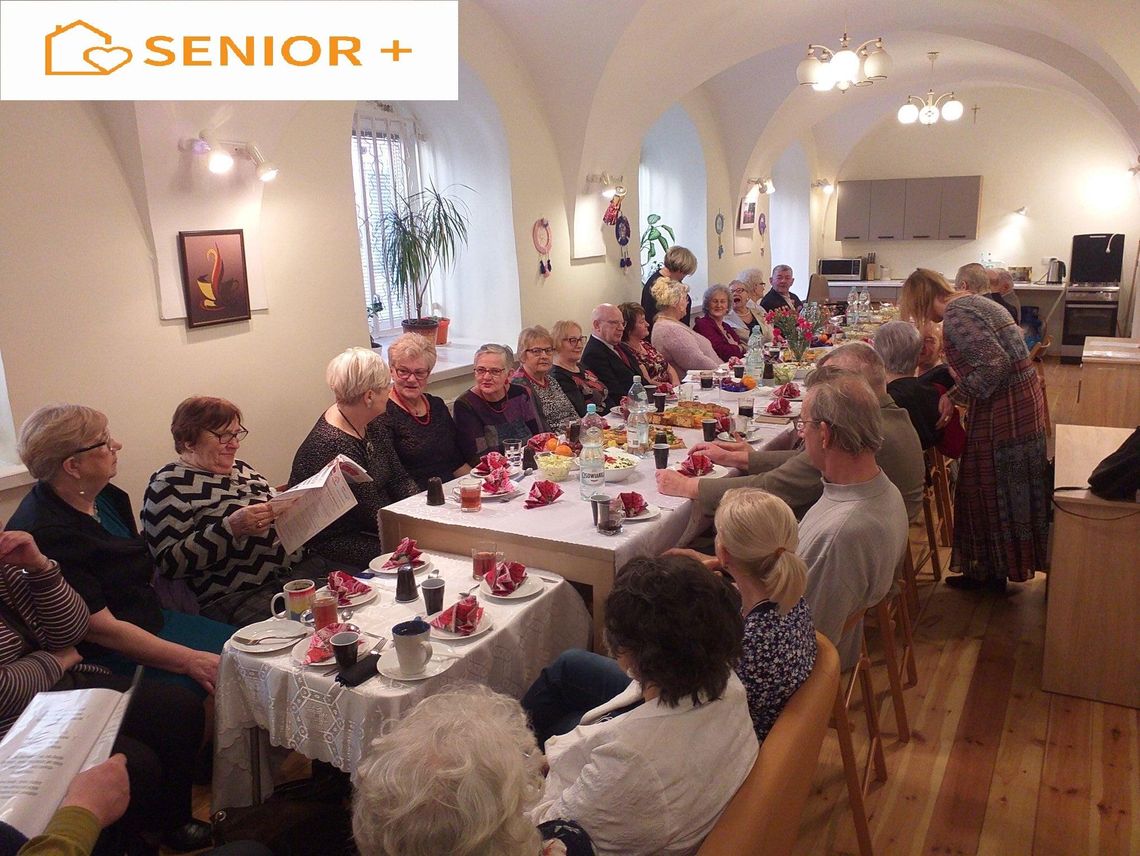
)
(706, 380)
(345, 646)
(413, 650)
(659, 401)
(661, 455)
(599, 504)
(297, 597)
(709, 426)
(432, 590)
(746, 407)
(738, 372)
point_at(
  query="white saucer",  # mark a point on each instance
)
(492, 497)
(300, 649)
(531, 586)
(716, 473)
(651, 512)
(485, 624)
(423, 563)
(271, 627)
(389, 666)
(356, 599)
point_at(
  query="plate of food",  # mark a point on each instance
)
(619, 465)
(687, 414)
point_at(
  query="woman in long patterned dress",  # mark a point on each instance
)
(1001, 504)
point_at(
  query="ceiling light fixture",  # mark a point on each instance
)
(844, 68)
(1023, 211)
(220, 154)
(926, 110)
(763, 185)
(823, 184)
(1135, 170)
(266, 170)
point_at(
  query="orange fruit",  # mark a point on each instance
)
(551, 444)
(563, 450)
(749, 382)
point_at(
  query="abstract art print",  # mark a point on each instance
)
(214, 277)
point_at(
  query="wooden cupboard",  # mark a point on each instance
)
(853, 209)
(944, 208)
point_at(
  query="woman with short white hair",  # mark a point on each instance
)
(713, 325)
(683, 348)
(423, 431)
(457, 775)
(360, 381)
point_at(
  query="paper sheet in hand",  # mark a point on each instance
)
(309, 506)
(58, 735)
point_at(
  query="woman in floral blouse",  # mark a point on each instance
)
(654, 367)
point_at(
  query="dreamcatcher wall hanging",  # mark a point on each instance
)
(540, 234)
(622, 232)
(718, 224)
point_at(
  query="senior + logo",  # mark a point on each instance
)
(79, 48)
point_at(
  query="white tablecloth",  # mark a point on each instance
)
(305, 710)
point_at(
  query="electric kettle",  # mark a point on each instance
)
(1056, 272)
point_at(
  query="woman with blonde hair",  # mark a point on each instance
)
(423, 432)
(1001, 504)
(360, 383)
(679, 263)
(536, 357)
(678, 343)
(580, 384)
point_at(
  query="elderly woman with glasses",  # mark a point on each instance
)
(536, 357)
(635, 342)
(494, 409)
(580, 384)
(85, 523)
(208, 522)
(351, 426)
(423, 432)
(712, 326)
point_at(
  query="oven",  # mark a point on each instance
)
(1090, 310)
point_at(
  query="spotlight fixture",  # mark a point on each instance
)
(220, 154)
(266, 170)
(1135, 169)
(763, 185)
(823, 184)
(613, 184)
(217, 158)
(926, 110)
(844, 68)
(1023, 211)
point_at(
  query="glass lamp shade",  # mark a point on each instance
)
(877, 65)
(952, 110)
(825, 78)
(845, 65)
(807, 72)
(908, 114)
(928, 115)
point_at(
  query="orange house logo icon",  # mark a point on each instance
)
(79, 48)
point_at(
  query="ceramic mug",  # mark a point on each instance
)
(413, 649)
(297, 596)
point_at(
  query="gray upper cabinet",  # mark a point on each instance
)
(852, 211)
(888, 207)
(961, 197)
(923, 207)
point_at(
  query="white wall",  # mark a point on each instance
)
(790, 220)
(1045, 151)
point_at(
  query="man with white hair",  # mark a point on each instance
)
(780, 295)
(1001, 291)
(604, 358)
(973, 278)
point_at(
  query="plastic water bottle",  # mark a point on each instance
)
(637, 423)
(591, 460)
(864, 303)
(853, 306)
(754, 359)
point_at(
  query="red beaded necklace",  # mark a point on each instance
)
(422, 420)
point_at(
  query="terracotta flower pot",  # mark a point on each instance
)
(441, 331)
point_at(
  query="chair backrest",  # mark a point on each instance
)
(1040, 348)
(764, 814)
(817, 289)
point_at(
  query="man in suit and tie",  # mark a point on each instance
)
(605, 358)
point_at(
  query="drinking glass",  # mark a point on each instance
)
(324, 609)
(470, 494)
(484, 557)
(513, 449)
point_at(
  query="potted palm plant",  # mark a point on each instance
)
(423, 231)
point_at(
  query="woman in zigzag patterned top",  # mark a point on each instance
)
(207, 519)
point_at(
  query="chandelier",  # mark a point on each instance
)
(845, 67)
(927, 110)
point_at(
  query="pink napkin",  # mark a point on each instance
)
(542, 493)
(666, 388)
(320, 649)
(788, 390)
(405, 553)
(779, 407)
(696, 464)
(537, 443)
(462, 617)
(492, 461)
(505, 577)
(724, 423)
(346, 586)
(499, 481)
(632, 503)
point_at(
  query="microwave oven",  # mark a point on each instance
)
(840, 269)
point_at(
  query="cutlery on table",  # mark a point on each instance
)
(257, 640)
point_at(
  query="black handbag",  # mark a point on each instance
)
(1118, 475)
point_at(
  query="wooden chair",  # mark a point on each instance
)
(944, 502)
(818, 290)
(892, 614)
(1037, 355)
(764, 815)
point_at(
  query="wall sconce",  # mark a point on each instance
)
(613, 183)
(1135, 170)
(1023, 211)
(220, 161)
(823, 184)
(763, 185)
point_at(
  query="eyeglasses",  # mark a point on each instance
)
(227, 437)
(106, 441)
(480, 371)
(799, 424)
(544, 352)
(575, 340)
(418, 374)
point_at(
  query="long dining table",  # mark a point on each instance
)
(562, 536)
(303, 708)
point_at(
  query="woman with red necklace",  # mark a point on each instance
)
(536, 358)
(423, 431)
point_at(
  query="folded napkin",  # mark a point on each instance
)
(735, 361)
(779, 407)
(538, 442)
(320, 649)
(542, 493)
(696, 464)
(505, 577)
(403, 554)
(788, 390)
(631, 503)
(462, 617)
(724, 422)
(492, 461)
(665, 387)
(346, 586)
(359, 672)
(499, 481)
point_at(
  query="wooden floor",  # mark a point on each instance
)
(995, 765)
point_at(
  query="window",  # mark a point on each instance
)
(386, 161)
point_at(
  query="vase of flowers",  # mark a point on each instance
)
(793, 330)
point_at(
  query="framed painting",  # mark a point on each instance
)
(214, 277)
(747, 217)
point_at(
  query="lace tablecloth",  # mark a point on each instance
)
(304, 709)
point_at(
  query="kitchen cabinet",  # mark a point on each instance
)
(961, 195)
(923, 208)
(852, 211)
(888, 206)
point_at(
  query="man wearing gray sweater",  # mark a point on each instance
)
(853, 538)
